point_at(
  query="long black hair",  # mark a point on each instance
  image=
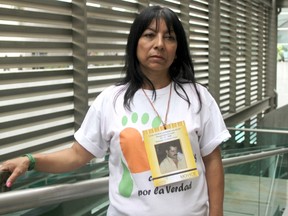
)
(181, 70)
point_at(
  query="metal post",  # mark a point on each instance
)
(214, 49)
(248, 53)
(272, 56)
(80, 60)
(184, 16)
(233, 57)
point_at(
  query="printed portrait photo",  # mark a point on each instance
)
(170, 156)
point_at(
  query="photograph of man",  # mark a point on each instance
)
(174, 159)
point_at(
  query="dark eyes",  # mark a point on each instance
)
(170, 37)
(151, 35)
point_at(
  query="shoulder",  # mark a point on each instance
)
(206, 97)
(111, 90)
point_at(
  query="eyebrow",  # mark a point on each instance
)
(155, 30)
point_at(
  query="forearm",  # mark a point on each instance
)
(215, 182)
(62, 161)
(57, 162)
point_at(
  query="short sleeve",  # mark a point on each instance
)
(214, 130)
(89, 134)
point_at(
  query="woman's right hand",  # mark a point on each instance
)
(17, 167)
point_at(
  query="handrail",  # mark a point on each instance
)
(36, 197)
(259, 130)
(228, 162)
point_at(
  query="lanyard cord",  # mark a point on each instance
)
(168, 106)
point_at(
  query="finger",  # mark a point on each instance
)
(4, 175)
(2, 168)
(15, 174)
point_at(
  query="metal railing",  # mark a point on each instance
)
(228, 162)
(260, 130)
(36, 197)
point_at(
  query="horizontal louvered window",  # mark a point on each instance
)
(243, 53)
(108, 28)
(57, 56)
(198, 38)
(36, 107)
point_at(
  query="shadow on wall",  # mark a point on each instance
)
(277, 120)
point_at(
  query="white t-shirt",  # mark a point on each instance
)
(108, 125)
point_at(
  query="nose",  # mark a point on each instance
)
(159, 42)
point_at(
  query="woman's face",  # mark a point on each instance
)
(156, 49)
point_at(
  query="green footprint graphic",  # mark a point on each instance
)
(126, 184)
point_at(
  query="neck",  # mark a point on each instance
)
(158, 84)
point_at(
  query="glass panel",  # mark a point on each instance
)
(273, 188)
(259, 187)
(94, 205)
(242, 189)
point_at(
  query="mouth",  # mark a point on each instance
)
(157, 57)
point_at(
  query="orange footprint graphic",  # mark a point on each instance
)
(133, 149)
(134, 152)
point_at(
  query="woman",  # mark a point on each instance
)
(159, 89)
